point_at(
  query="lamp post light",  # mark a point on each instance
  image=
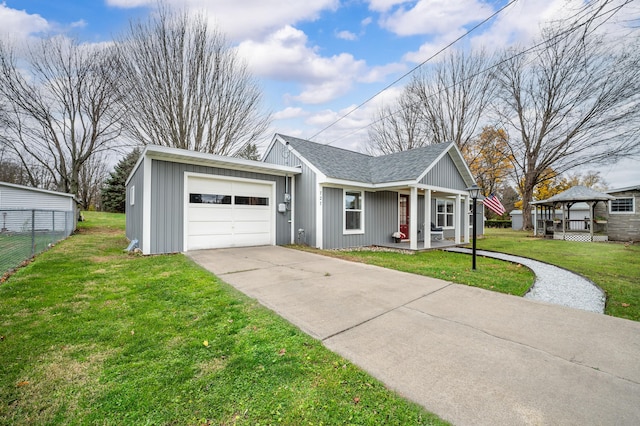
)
(474, 193)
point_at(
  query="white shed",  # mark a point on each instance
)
(48, 210)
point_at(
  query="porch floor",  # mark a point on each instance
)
(435, 245)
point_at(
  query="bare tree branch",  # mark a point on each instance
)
(186, 88)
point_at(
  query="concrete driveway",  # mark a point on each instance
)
(471, 356)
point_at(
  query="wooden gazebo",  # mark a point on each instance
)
(586, 230)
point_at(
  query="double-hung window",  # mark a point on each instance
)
(444, 213)
(622, 205)
(353, 212)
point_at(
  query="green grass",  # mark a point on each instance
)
(491, 274)
(615, 267)
(92, 335)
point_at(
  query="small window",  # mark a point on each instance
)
(622, 205)
(444, 213)
(132, 195)
(209, 199)
(353, 212)
(251, 201)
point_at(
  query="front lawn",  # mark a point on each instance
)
(615, 267)
(491, 274)
(92, 335)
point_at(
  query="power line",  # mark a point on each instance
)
(559, 37)
(414, 69)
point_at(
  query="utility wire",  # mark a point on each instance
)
(557, 39)
(411, 71)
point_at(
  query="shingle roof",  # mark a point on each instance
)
(341, 163)
(577, 193)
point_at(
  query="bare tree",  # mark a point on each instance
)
(186, 88)
(92, 176)
(398, 128)
(571, 102)
(454, 96)
(443, 104)
(59, 108)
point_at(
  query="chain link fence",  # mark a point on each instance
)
(25, 233)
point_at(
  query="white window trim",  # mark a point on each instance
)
(346, 231)
(633, 204)
(452, 214)
(132, 195)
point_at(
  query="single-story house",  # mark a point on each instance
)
(20, 206)
(301, 192)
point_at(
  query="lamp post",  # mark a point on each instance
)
(474, 193)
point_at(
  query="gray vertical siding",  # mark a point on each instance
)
(444, 174)
(305, 195)
(167, 203)
(380, 215)
(134, 229)
(305, 209)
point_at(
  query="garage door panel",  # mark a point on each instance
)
(210, 228)
(210, 186)
(209, 213)
(242, 214)
(228, 225)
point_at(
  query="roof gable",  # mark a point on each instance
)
(339, 163)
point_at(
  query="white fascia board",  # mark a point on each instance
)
(176, 155)
(321, 177)
(434, 162)
(135, 167)
(269, 148)
(443, 189)
(342, 183)
(146, 206)
(42, 191)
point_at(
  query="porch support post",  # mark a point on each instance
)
(427, 218)
(564, 223)
(592, 224)
(456, 218)
(467, 206)
(535, 220)
(413, 219)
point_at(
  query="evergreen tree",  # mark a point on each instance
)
(114, 192)
(249, 152)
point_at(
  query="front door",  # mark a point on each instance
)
(404, 214)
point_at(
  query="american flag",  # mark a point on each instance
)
(493, 204)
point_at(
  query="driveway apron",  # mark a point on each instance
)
(471, 356)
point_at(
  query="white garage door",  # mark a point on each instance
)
(228, 213)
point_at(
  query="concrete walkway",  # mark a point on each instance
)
(472, 356)
(552, 284)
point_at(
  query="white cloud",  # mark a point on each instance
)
(427, 50)
(288, 113)
(431, 16)
(346, 35)
(246, 18)
(19, 24)
(78, 24)
(285, 56)
(384, 5)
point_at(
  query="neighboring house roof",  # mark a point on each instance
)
(628, 188)
(349, 165)
(576, 193)
(43, 191)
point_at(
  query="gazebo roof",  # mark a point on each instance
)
(576, 194)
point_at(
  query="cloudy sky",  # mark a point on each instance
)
(318, 59)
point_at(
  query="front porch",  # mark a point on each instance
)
(435, 245)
